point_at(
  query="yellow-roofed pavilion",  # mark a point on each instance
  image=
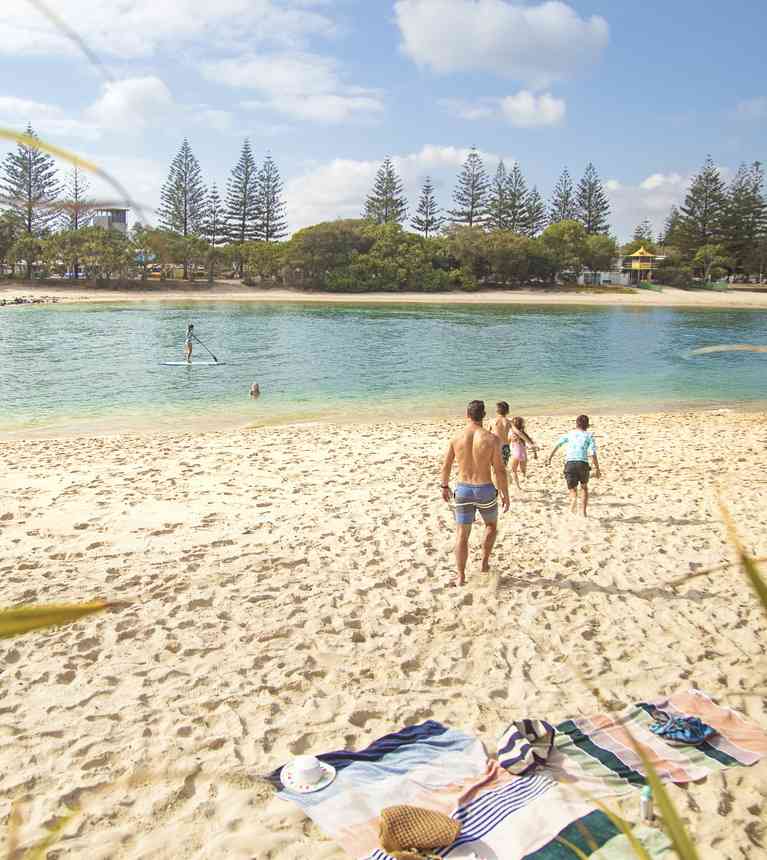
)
(640, 265)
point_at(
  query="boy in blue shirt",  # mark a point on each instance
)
(580, 447)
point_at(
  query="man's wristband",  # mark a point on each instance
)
(445, 486)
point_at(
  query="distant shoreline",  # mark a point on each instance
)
(236, 292)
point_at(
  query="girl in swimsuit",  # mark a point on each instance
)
(519, 442)
(188, 341)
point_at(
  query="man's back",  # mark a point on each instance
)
(502, 428)
(475, 449)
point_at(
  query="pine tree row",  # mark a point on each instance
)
(253, 209)
(501, 203)
(719, 224)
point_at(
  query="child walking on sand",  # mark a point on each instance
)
(520, 439)
(580, 446)
(502, 429)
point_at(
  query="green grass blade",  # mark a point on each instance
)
(24, 619)
(682, 580)
(65, 155)
(624, 826)
(626, 829)
(40, 851)
(674, 825)
(754, 577)
(14, 826)
(574, 848)
(747, 562)
(56, 151)
(586, 834)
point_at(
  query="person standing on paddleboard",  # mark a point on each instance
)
(188, 342)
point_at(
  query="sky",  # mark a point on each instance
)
(332, 87)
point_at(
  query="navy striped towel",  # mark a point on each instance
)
(525, 744)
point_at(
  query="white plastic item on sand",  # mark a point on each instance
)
(646, 810)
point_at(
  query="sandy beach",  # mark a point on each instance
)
(234, 291)
(288, 591)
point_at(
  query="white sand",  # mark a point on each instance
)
(290, 596)
(228, 291)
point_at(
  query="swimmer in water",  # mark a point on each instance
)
(255, 391)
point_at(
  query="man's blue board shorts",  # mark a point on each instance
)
(470, 498)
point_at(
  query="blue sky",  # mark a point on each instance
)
(330, 87)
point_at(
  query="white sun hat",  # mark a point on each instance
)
(306, 774)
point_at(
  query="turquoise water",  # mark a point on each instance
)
(98, 366)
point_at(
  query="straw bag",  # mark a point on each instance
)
(409, 832)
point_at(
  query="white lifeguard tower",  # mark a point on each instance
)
(111, 219)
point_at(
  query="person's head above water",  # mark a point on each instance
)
(502, 407)
(582, 422)
(476, 411)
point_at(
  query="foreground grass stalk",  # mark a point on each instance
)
(24, 619)
(747, 562)
(574, 848)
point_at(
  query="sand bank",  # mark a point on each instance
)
(289, 589)
(233, 291)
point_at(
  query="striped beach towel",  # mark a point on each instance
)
(596, 752)
(427, 765)
(503, 817)
(525, 744)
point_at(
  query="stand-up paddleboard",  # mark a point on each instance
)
(192, 363)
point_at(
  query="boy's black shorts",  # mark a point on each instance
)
(576, 473)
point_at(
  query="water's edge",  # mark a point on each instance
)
(71, 370)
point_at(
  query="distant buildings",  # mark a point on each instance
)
(111, 219)
(629, 271)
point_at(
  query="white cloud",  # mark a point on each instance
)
(140, 28)
(47, 120)
(337, 189)
(298, 84)
(218, 120)
(538, 43)
(752, 109)
(524, 109)
(333, 190)
(652, 198)
(141, 177)
(483, 108)
(319, 107)
(431, 156)
(124, 107)
(131, 104)
(661, 181)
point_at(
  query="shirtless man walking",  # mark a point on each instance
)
(478, 452)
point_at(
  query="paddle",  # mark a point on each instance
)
(205, 348)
